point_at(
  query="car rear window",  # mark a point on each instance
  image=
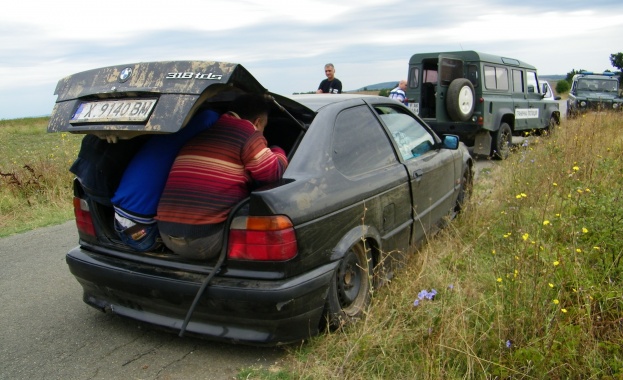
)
(360, 144)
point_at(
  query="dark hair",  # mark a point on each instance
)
(250, 106)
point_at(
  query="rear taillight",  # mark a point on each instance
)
(263, 238)
(84, 221)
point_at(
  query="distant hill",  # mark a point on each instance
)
(377, 87)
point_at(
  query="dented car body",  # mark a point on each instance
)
(366, 182)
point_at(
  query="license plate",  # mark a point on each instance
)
(415, 108)
(114, 110)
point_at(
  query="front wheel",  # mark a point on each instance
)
(349, 291)
(502, 141)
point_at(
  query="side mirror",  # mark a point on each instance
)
(451, 142)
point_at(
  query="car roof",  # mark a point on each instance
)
(317, 101)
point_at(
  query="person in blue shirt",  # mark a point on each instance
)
(398, 93)
(137, 196)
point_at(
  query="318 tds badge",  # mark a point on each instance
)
(187, 75)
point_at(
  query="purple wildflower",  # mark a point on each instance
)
(425, 295)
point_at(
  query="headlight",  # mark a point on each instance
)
(616, 105)
(583, 103)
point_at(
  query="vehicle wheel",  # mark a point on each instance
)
(551, 128)
(460, 99)
(349, 291)
(464, 192)
(502, 141)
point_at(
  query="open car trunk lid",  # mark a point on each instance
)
(148, 97)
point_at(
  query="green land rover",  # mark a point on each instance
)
(593, 91)
(483, 98)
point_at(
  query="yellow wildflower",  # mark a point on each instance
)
(575, 168)
(556, 263)
(525, 236)
(563, 310)
(584, 230)
(551, 285)
(499, 279)
(556, 302)
(545, 222)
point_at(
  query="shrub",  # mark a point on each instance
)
(562, 86)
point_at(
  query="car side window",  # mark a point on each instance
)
(496, 78)
(518, 81)
(533, 85)
(360, 144)
(411, 137)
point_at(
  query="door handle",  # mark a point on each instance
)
(417, 175)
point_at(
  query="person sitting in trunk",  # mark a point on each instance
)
(136, 198)
(212, 173)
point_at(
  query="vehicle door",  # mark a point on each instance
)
(449, 69)
(536, 117)
(520, 101)
(431, 169)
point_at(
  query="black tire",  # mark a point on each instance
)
(551, 127)
(350, 288)
(460, 99)
(502, 141)
(465, 191)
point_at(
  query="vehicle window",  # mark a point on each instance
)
(532, 82)
(414, 77)
(501, 77)
(496, 78)
(450, 69)
(429, 76)
(360, 144)
(490, 77)
(472, 74)
(411, 137)
(545, 90)
(517, 81)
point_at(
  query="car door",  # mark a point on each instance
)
(430, 168)
(535, 117)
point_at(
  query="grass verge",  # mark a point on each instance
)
(528, 279)
(35, 183)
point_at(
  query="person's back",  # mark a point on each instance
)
(137, 196)
(212, 173)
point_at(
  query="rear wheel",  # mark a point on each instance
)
(502, 141)
(349, 291)
(464, 192)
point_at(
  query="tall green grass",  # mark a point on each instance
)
(529, 279)
(35, 184)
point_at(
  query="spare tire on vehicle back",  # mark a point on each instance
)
(460, 99)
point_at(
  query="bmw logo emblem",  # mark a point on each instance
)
(125, 74)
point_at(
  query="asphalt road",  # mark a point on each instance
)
(49, 333)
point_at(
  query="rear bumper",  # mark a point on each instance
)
(232, 309)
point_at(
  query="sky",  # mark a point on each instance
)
(285, 43)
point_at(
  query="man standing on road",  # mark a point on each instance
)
(331, 85)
